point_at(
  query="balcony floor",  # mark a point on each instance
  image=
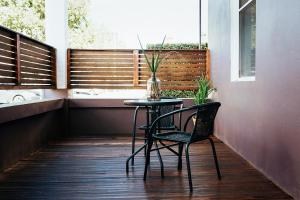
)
(94, 168)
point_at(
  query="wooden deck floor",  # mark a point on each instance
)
(94, 168)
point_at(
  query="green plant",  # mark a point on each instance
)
(204, 89)
(177, 46)
(178, 93)
(156, 58)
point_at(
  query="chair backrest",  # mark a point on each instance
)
(167, 122)
(205, 117)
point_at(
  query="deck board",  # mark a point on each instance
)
(94, 168)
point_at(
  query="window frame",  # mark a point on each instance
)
(235, 41)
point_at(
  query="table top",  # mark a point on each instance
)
(146, 102)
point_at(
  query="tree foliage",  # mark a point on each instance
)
(25, 16)
(81, 33)
(28, 17)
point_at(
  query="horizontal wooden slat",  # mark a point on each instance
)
(7, 80)
(125, 78)
(103, 69)
(94, 73)
(7, 47)
(35, 65)
(35, 75)
(7, 60)
(89, 86)
(86, 64)
(100, 52)
(7, 67)
(101, 82)
(101, 60)
(35, 60)
(100, 56)
(117, 73)
(34, 49)
(35, 45)
(7, 40)
(35, 54)
(7, 53)
(7, 73)
(35, 70)
(36, 81)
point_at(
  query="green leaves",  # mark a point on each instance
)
(178, 93)
(204, 89)
(176, 46)
(154, 61)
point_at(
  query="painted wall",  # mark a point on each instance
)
(261, 119)
(26, 128)
(104, 117)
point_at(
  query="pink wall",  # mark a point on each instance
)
(261, 119)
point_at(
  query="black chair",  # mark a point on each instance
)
(168, 123)
(203, 129)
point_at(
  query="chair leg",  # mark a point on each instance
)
(215, 157)
(145, 140)
(180, 149)
(160, 161)
(188, 166)
(147, 161)
(134, 134)
(133, 145)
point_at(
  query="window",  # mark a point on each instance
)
(243, 40)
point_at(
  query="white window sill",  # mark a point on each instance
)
(244, 79)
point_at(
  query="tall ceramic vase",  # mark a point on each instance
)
(153, 88)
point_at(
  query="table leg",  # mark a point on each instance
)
(132, 156)
(147, 161)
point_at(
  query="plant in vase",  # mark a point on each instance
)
(153, 62)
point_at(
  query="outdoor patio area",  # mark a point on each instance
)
(101, 99)
(93, 168)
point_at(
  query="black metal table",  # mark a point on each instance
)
(152, 109)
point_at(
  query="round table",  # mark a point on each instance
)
(151, 107)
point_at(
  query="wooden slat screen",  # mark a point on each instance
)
(25, 63)
(7, 58)
(127, 69)
(111, 69)
(178, 71)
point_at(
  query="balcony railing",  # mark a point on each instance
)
(25, 62)
(127, 69)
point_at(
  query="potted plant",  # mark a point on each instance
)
(153, 62)
(205, 88)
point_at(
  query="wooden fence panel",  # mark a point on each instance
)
(7, 58)
(25, 63)
(111, 69)
(178, 71)
(127, 69)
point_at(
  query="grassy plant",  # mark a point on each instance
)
(156, 57)
(204, 89)
(178, 93)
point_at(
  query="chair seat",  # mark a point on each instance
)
(144, 127)
(175, 136)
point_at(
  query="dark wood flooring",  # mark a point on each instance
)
(94, 168)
